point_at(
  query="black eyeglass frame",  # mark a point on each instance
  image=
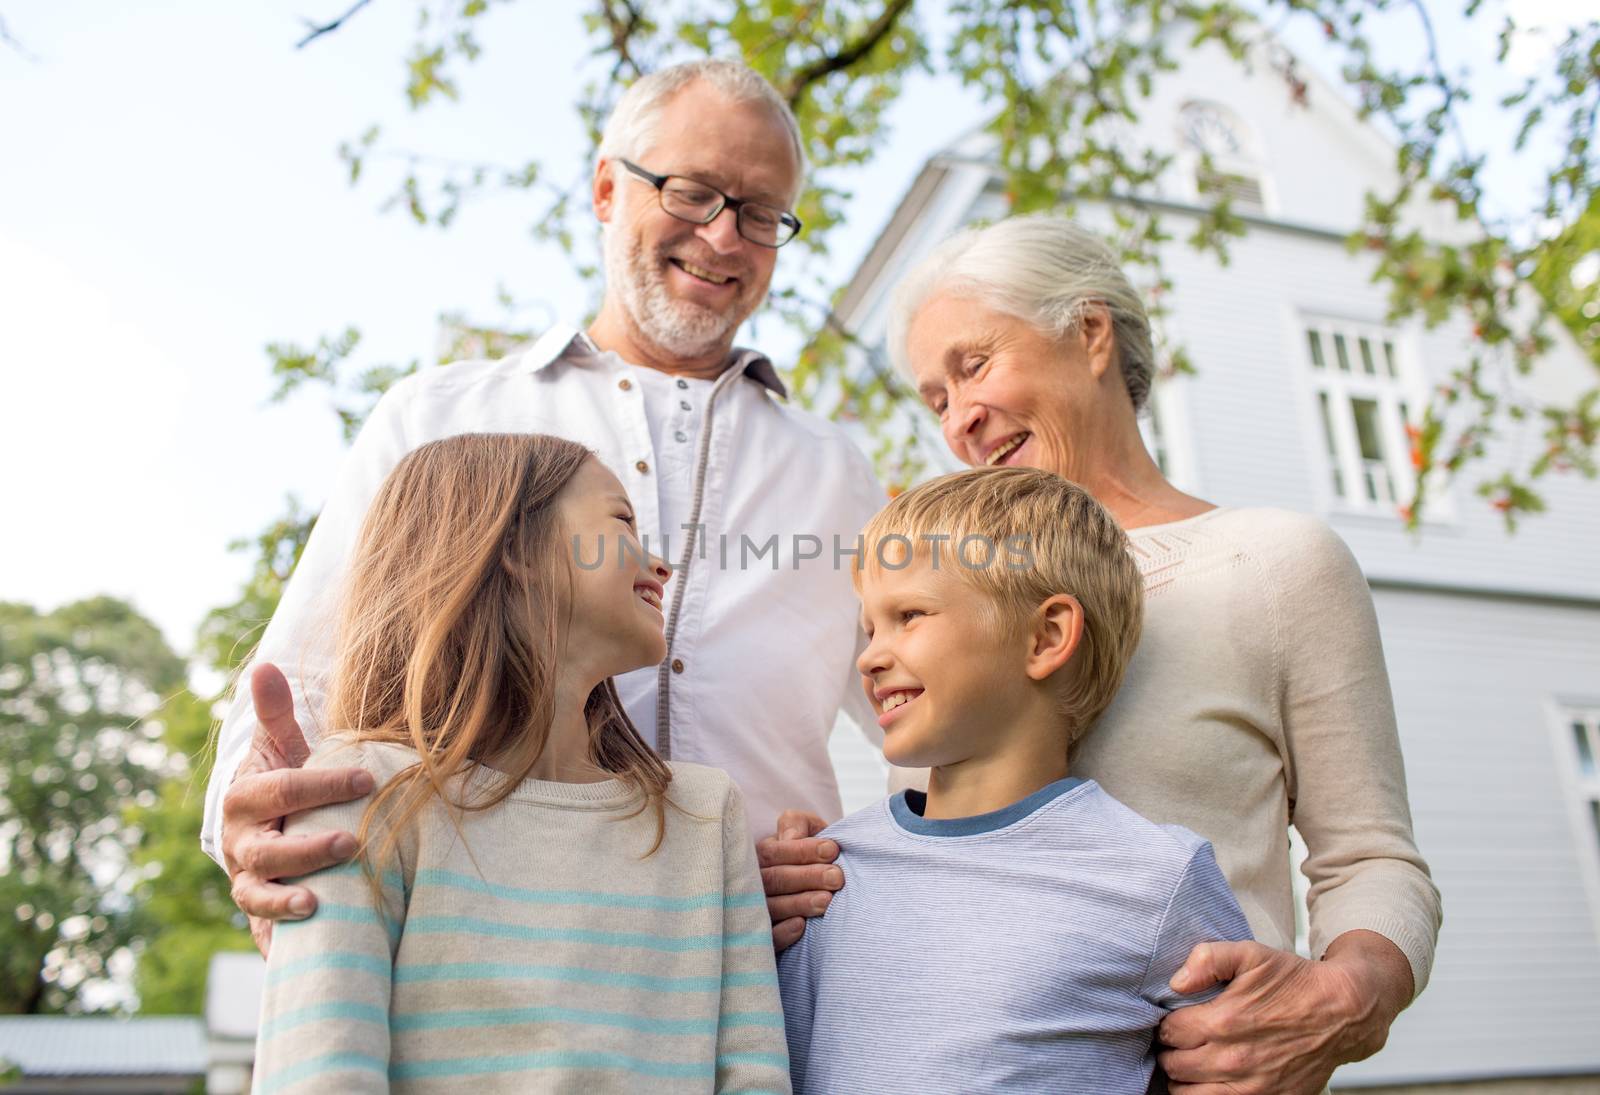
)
(785, 218)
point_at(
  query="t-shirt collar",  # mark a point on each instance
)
(907, 807)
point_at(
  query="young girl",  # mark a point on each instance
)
(541, 904)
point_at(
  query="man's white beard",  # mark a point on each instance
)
(678, 327)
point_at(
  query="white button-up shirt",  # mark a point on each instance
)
(761, 625)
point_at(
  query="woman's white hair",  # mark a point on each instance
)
(631, 129)
(1040, 268)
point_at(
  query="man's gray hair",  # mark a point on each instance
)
(1040, 268)
(631, 128)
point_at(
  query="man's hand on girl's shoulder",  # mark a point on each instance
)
(270, 785)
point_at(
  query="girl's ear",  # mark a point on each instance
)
(1056, 630)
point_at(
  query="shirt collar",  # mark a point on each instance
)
(907, 809)
(564, 341)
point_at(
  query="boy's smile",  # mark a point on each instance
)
(891, 701)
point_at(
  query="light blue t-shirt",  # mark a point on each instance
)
(1024, 950)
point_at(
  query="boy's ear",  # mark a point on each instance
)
(1053, 639)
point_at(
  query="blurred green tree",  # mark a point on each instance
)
(182, 912)
(82, 720)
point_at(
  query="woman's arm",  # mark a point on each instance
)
(1348, 783)
(1284, 1023)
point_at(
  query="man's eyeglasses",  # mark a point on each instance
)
(698, 203)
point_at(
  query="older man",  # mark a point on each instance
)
(698, 169)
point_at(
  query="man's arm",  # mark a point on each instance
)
(269, 786)
(257, 779)
(796, 868)
(794, 865)
(798, 874)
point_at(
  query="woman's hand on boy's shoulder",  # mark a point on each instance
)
(269, 785)
(798, 874)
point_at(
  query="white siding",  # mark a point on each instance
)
(1516, 986)
(1251, 416)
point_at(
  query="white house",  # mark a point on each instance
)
(1493, 640)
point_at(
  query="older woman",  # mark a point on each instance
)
(1258, 697)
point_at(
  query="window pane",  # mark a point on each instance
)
(1388, 359)
(1327, 436)
(1373, 467)
(1580, 735)
(1366, 412)
(1316, 349)
(1344, 354)
(1366, 358)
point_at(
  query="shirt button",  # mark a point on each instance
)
(681, 436)
(625, 384)
(642, 467)
(677, 665)
(682, 383)
(685, 404)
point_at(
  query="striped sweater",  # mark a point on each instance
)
(532, 949)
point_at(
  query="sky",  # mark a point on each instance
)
(171, 200)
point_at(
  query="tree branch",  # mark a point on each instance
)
(1440, 80)
(622, 28)
(828, 64)
(315, 31)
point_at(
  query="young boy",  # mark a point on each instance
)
(1013, 929)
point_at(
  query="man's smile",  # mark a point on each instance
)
(702, 273)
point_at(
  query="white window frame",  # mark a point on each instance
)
(1341, 380)
(1582, 788)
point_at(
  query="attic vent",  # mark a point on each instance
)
(1244, 191)
(1224, 155)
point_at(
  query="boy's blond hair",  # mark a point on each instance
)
(1021, 535)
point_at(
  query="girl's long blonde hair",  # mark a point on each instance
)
(456, 601)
